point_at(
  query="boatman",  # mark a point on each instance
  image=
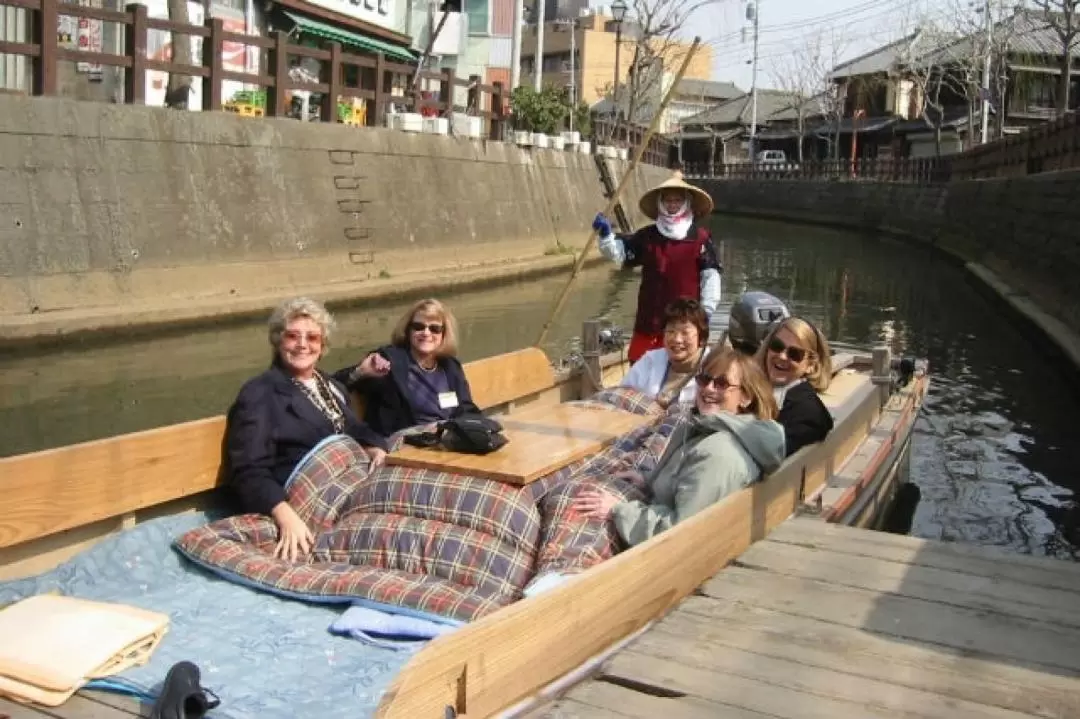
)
(676, 255)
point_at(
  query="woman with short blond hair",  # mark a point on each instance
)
(417, 378)
(282, 414)
(797, 360)
(727, 442)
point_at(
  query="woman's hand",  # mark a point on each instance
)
(595, 503)
(295, 540)
(376, 456)
(373, 366)
(632, 476)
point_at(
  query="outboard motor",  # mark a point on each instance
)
(752, 316)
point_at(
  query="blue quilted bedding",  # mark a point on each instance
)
(290, 668)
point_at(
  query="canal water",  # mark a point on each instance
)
(991, 455)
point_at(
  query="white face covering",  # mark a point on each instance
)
(674, 226)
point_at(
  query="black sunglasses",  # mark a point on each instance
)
(435, 329)
(721, 383)
(795, 354)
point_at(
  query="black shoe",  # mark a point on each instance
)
(181, 696)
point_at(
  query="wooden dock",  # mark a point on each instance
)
(824, 621)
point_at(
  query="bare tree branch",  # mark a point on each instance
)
(1063, 16)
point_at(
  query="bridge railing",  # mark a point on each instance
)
(378, 81)
(923, 170)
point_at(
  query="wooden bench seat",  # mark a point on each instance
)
(59, 489)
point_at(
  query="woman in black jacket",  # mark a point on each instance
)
(416, 379)
(283, 413)
(796, 358)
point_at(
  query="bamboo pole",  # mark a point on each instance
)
(557, 307)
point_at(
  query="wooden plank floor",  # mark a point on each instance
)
(85, 705)
(832, 622)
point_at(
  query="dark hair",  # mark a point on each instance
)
(685, 309)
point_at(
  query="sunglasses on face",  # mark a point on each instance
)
(795, 354)
(435, 329)
(312, 338)
(720, 383)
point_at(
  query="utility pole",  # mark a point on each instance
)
(987, 60)
(752, 13)
(538, 66)
(515, 45)
(572, 24)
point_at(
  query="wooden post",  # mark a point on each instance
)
(882, 373)
(135, 48)
(498, 110)
(591, 372)
(330, 99)
(475, 99)
(213, 59)
(44, 36)
(380, 97)
(279, 67)
(447, 85)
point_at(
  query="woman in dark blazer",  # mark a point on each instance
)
(416, 379)
(797, 360)
(281, 414)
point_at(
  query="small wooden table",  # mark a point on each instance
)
(542, 440)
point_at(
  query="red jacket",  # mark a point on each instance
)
(670, 270)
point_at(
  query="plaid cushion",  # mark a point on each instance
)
(624, 398)
(570, 542)
(434, 543)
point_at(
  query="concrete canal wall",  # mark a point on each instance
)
(1020, 236)
(114, 215)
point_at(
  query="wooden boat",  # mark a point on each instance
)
(60, 501)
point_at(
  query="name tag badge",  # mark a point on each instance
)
(448, 400)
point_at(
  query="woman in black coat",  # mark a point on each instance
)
(281, 414)
(797, 360)
(416, 379)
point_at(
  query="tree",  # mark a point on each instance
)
(547, 111)
(651, 38)
(1063, 16)
(802, 77)
(176, 94)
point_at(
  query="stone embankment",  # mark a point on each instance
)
(113, 216)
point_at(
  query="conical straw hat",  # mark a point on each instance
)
(700, 202)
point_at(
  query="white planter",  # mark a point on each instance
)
(557, 142)
(624, 153)
(468, 125)
(540, 139)
(572, 138)
(436, 125)
(585, 148)
(409, 122)
(523, 138)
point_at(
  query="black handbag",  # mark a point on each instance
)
(472, 434)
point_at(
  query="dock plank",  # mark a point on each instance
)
(992, 594)
(77, 707)
(992, 562)
(864, 654)
(823, 621)
(1014, 638)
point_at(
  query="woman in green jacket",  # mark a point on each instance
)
(727, 442)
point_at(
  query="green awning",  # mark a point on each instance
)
(329, 32)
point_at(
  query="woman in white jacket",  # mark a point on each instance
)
(665, 373)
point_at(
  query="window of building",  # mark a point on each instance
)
(479, 12)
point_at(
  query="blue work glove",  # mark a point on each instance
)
(601, 225)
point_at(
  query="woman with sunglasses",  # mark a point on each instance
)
(282, 414)
(727, 442)
(416, 379)
(796, 358)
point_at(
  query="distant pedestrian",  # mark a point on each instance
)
(676, 254)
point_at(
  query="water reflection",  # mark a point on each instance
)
(991, 454)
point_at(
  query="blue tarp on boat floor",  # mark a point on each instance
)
(263, 656)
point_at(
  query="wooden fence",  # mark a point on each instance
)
(658, 152)
(375, 74)
(1044, 148)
